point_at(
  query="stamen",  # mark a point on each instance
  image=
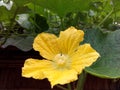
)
(61, 61)
(61, 53)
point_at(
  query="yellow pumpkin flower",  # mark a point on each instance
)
(64, 57)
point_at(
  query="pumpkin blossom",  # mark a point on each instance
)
(64, 57)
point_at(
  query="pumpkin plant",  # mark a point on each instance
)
(56, 29)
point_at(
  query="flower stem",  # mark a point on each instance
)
(62, 23)
(81, 81)
(63, 88)
(69, 86)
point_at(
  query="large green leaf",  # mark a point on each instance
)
(108, 45)
(23, 43)
(62, 7)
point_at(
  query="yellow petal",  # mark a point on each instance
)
(84, 57)
(61, 76)
(69, 40)
(35, 68)
(47, 45)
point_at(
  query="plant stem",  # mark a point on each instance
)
(13, 19)
(69, 87)
(105, 18)
(81, 81)
(62, 23)
(62, 87)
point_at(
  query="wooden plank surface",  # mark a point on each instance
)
(11, 61)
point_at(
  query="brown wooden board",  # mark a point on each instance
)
(11, 61)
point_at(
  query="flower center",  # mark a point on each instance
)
(62, 61)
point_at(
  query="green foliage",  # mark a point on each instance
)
(23, 43)
(36, 9)
(21, 3)
(62, 7)
(5, 15)
(108, 45)
(39, 22)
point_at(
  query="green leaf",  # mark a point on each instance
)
(116, 4)
(40, 23)
(6, 14)
(62, 7)
(21, 3)
(9, 15)
(37, 9)
(23, 21)
(6, 3)
(108, 45)
(23, 43)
